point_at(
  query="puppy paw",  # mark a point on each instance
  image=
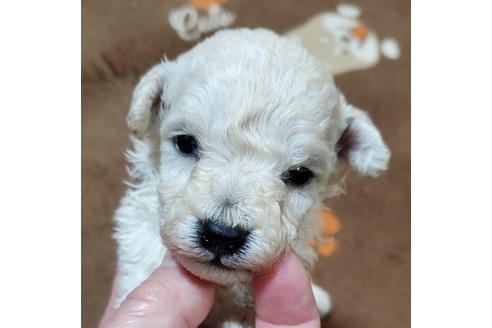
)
(236, 324)
(323, 300)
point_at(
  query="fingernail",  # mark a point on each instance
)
(168, 261)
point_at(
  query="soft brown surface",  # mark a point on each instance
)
(369, 274)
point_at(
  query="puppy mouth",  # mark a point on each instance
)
(215, 270)
(217, 263)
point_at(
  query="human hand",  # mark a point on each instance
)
(172, 297)
(283, 296)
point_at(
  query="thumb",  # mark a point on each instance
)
(284, 297)
(170, 297)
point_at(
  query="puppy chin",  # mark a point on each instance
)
(213, 273)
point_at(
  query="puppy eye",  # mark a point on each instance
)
(297, 176)
(186, 144)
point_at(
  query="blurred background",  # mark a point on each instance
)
(368, 275)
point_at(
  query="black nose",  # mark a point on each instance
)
(220, 239)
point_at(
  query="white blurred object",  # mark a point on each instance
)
(348, 10)
(390, 48)
(190, 24)
(341, 40)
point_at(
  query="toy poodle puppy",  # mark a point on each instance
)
(235, 143)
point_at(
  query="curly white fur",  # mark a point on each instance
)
(257, 104)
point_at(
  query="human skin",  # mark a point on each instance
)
(172, 297)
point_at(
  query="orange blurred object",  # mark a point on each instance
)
(360, 31)
(327, 244)
(331, 223)
(205, 4)
(326, 247)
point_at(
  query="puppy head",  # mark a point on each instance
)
(248, 129)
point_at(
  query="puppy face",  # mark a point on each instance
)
(246, 127)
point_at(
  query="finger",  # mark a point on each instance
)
(284, 297)
(170, 297)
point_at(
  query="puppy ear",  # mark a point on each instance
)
(146, 94)
(360, 143)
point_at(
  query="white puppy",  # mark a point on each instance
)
(235, 143)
